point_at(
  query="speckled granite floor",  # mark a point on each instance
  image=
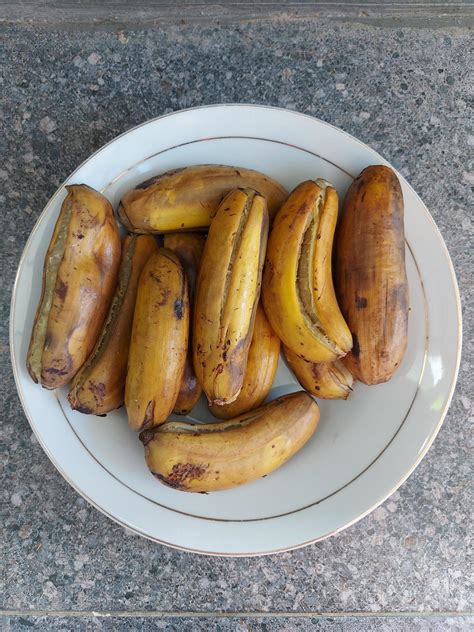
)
(405, 92)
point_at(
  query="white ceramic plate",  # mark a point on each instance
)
(364, 448)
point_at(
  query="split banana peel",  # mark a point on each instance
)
(298, 293)
(215, 456)
(159, 341)
(227, 294)
(99, 386)
(326, 380)
(187, 199)
(79, 276)
(262, 364)
(188, 247)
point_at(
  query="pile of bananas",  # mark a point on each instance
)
(154, 322)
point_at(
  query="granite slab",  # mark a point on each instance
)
(239, 624)
(404, 91)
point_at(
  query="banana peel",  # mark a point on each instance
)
(372, 285)
(187, 199)
(297, 292)
(326, 380)
(262, 364)
(189, 248)
(227, 294)
(216, 456)
(79, 277)
(159, 341)
(99, 387)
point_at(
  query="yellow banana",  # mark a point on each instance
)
(262, 364)
(188, 247)
(297, 291)
(187, 199)
(227, 293)
(210, 457)
(327, 380)
(159, 341)
(99, 386)
(79, 277)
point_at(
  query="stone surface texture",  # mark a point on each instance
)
(239, 624)
(405, 92)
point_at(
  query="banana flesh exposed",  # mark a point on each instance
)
(297, 291)
(79, 276)
(227, 294)
(262, 365)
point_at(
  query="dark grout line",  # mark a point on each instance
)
(229, 615)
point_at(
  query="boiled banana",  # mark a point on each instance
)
(210, 457)
(188, 247)
(187, 199)
(326, 380)
(371, 276)
(79, 276)
(159, 341)
(99, 386)
(227, 293)
(262, 365)
(297, 291)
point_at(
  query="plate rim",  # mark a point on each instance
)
(136, 530)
